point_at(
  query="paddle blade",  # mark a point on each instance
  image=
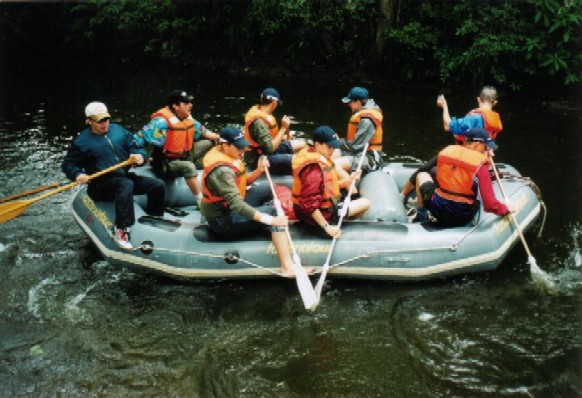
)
(305, 287)
(11, 210)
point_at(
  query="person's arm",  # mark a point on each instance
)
(72, 164)
(311, 196)
(490, 202)
(201, 132)
(364, 133)
(154, 132)
(221, 181)
(460, 126)
(261, 134)
(442, 103)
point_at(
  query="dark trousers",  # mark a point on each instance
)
(121, 190)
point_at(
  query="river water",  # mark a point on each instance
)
(72, 325)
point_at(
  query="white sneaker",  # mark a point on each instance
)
(121, 238)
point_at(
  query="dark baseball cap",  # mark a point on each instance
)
(480, 135)
(356, 93)
(326, 135)
(178, 96)
(271, 94)
(232, 135)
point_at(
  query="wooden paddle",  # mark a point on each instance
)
(303, 283)
(11, 210)
(343, 213)
(32, 191)
(533, 265)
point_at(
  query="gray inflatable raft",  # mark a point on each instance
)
(382, 245)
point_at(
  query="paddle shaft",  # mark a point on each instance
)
(525, 245)
(32, 191)
(344, 211)
(75, 183)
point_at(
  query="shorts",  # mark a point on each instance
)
(180, 168)
(427, 191)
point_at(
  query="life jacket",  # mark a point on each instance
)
(180, 136)
(215, 158)
(256, 113)
(376, 116)
(456, 170)
(331, 190)
(491, 120)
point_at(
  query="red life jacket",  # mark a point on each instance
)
(180, 135)
(457, 166)
(377, 117)
(491, 120)
(214, 158)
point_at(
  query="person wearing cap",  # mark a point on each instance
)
(177, 139)
(364, 127)
(462, 172)
(316, 184)
(229, 207)
(481, 117)
(265, 136)
(102, 145)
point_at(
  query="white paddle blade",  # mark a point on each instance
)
(305, 287)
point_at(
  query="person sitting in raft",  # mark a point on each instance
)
(100, 146)
(178, 140)
(462, 170)
(316, 187)
(482, 117)
(364, 127)
(265, 136)
(229, 207)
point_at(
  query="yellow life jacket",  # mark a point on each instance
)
(456, 169)
(307, 156)
(180, 135)
(376, 116)
(215, 158)
(256, 113)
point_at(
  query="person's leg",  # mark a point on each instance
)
(282, 246)
(155, 190)
(358, 207)
(120, 191)
(186, 169)
(297, 145)
(258, 194)
(200, 149)
(422, 193)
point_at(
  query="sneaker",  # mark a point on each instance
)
(121, 238)
(411, 214)
(420, 215)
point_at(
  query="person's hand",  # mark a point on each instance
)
(285, 122)
(82, 178)
(280, 221)
(136, 158)
(263, 163)
(333, 230)
(441, 101)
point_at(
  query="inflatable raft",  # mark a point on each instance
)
(381, 245)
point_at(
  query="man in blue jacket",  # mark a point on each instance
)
(100, 146)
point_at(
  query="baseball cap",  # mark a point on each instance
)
(178, 96)
(356, 93)
(96, 111)
(480, 135)
(271, 94)
(232, 135)
(326, 135)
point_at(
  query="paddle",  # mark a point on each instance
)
(11, 210)
(32, 191)
(534, 269)
(303, 283)
(343, 213)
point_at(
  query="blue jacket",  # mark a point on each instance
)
(90, 152)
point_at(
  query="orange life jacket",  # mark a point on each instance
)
(457, 166)
(215, 158)
(331, 191)
(491, 120)
(376, 116)
(180, 135)
(256, 113)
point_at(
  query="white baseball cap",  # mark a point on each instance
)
(96, 111)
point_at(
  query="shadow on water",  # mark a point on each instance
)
(74, 325)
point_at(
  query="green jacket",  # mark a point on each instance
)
(221, 182)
